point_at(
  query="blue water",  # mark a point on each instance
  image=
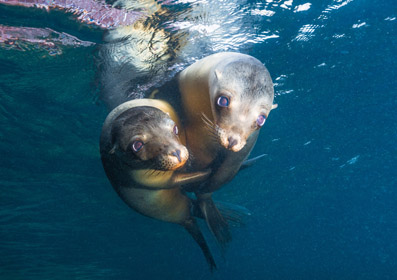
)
(323, 200)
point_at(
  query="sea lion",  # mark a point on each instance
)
(141, 153)
(226, 99)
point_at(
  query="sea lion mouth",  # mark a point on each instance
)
(174, 160)
(175, 167)
(171, 163)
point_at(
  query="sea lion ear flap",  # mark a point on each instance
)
(274, 106)
(218, 74)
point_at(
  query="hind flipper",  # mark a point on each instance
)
(216, 223)
(234, 214)
(192, 227)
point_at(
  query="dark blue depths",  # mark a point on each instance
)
(323, 200)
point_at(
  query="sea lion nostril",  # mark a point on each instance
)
(232, 142)
(177, 154)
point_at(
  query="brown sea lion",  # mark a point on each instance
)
(141, 153)
(226, 99)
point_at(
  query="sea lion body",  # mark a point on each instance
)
(141, 154)
(226, 98)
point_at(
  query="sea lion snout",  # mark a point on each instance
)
(177, 154)
(175, 159)
(233, 142)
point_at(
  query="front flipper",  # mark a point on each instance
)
(158, 179)
(192, 227)
(250, 162)
(188, 178)
(215, 221)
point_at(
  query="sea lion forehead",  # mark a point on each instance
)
(142, 115)
(139, 120)
(248, 80)
(245, 65)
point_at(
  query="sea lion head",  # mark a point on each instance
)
(146, 137)
(241, 99)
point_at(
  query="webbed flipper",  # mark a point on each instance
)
(216, 223)
(192, 227)
(234, 214)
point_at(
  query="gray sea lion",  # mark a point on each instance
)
(226, 99)
(141, 153)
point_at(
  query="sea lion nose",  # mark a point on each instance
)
(232, 142)
(177, 154)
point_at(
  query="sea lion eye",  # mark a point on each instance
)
(223, 101)
(175, 129)
(137, 145)
(261, 120)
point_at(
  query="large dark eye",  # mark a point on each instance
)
(176, 131)
(223, 101)
(261, 120)
(137, 145)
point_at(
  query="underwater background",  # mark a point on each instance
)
(323, 200)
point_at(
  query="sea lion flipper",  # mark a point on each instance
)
(192, 227)
(187, 178)
(250, 162)
(217, 224)
(234, 214)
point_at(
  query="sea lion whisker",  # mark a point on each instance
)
(150, 169)
(209, 124)
(212, 134)
(151, 172)
(214, 138)
(212, 126)
(212, 131)
(206, 119)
